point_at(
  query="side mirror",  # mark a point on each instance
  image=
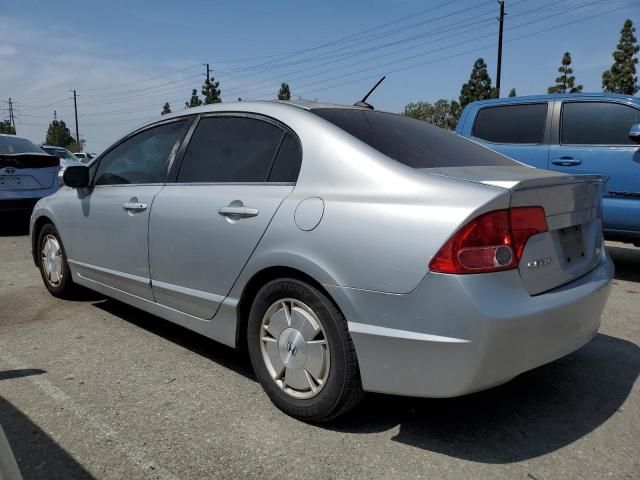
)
(634, 133)
(76, 176)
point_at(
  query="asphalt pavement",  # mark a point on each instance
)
(92, 388)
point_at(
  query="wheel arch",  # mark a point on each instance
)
(256, 282)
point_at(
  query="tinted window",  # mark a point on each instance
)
(230, 149)
(143, 158)
(11, 145)
(411, 142)
(287, 164)
(597, 123)
(511, 123)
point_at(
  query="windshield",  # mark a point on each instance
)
(411, 142)
(61, 153)
(12, 145)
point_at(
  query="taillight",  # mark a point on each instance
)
(491, 242)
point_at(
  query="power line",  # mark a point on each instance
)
(447, 57)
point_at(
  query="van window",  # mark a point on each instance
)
(511, 123)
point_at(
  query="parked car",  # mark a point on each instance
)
(572, 133)
(349, 250)
(61, 152)
(84, 157)
(27, 173)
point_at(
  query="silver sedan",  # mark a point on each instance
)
(348, 250)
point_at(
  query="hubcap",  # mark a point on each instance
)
(294, 348)
(52, 260)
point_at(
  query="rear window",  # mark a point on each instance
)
(511, 123)
(11, 145)
(413, 143)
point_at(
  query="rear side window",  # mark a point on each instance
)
(287, 164)
(143, 158)
(230, 149)
(411, 142)
(597, 123)
(511, 123)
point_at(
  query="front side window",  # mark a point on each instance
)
(597, 123)
(230, 149)
(511, 123)
(143, 158)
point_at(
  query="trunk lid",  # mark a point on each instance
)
(572, 203)
(27, 171)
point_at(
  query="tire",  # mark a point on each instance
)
(61, 286)
(319, 350)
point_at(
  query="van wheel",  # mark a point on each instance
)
(52, 261)
(301, 351)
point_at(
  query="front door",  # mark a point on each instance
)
(108, 228)
(594, 138)
(204, 227)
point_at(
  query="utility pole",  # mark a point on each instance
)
(12, 119)
(208, 71)
(501, 21)
(75, 107)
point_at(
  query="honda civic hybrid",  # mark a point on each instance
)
(347, 250)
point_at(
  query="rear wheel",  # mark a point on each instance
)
(302, 352)
(52, 261)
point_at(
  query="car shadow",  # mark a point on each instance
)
(233, 359)
(37, 454)
(537, 413)
(627, 262)
(24, 372)
(14, 224)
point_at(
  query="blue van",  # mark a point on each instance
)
(571, 133)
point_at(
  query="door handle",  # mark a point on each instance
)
(566, 161)
(134, 206)
(240, 212)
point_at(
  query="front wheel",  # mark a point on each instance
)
(302, 352)
(52, 261)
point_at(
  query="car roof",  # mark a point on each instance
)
(247, 106)
(556, 96)
(53, 146)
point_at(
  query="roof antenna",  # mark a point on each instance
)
(363, 102)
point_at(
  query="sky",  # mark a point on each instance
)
(126, 58)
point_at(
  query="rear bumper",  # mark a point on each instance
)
(18, 205)
(455, 334)
(23, 200)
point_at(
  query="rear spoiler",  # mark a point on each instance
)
(28, 160)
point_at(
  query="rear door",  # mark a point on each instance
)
(235, 172)
(107, 227)
(592, 137)
(518, 131)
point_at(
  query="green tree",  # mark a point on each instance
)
(479, 85)
(566, 82)
(166, 108)
(512, 93)
(442, 113)
(285, 92)
(194, 101)
(620, 78)
(210, 91)
(58, 134)
(7, 128)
